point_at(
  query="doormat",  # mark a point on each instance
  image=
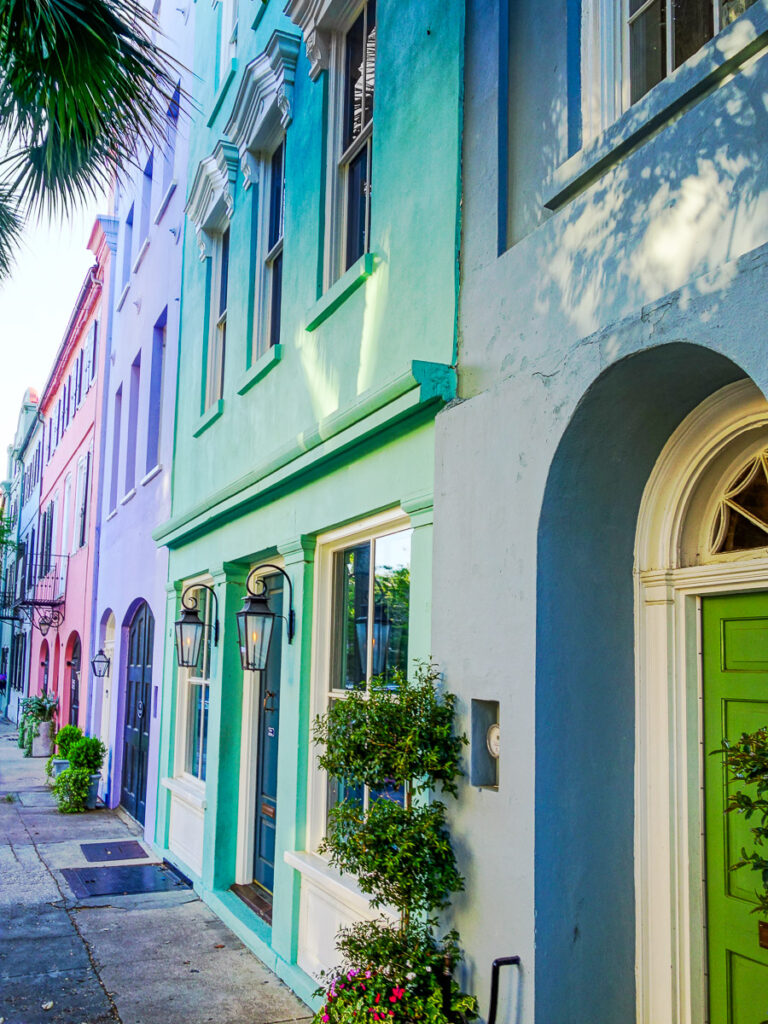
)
(127, 880)
(127, 850)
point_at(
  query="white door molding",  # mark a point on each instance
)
(672, 571)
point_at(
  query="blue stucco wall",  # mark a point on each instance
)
(585, 689)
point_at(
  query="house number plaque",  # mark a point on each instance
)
(762, 934)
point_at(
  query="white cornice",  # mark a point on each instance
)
(318, 20)
(211, 201)
(263, 107)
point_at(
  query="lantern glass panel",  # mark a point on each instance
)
(254, 626)
(189, 636)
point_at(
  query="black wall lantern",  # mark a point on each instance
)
(255, 620)
(190, 627)
(100, 664)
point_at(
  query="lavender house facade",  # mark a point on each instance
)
(137, 438)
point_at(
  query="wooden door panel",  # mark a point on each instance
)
(735, 678)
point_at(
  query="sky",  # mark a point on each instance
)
(35, 306)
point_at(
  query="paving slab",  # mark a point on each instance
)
(77, 998)
(151, 958)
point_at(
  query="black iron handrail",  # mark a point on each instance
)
(499, 962)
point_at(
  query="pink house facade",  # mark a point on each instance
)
(67, 550)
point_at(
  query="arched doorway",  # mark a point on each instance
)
(133, 792)
(702, 676)
(73, 677)
(591, 897)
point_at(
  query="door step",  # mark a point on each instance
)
(259, 901)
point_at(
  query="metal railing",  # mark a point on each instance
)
(42, 581)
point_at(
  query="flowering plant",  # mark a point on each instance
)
(359, 996)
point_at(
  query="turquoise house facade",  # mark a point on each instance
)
(317, 344)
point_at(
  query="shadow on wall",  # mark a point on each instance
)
(585, 690)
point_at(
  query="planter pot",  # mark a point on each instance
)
(93, 792)
(42, 744)
(60, 764)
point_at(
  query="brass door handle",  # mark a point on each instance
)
(267, 697)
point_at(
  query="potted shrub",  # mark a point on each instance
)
(36, 725)
(64, 739)
(398, 741)
(72, 789)
(88, 755)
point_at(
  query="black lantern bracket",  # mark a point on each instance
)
(191, 603)
(257, 576)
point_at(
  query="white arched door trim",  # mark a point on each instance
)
(671, 576)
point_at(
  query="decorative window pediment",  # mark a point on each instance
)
(211, 201)
(263, 107)
(318, 20)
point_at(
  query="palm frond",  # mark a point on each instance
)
(82, 87)
(10, 231)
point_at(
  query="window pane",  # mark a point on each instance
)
(693, 26)
(353, 81)
(194, 730)
(370, 60)
(276, 204)
(357, 182)
(731, 9)
(224, 273)
(339, 790)
(352, 580)
(276, 299)
(647, 50)
(391, 597)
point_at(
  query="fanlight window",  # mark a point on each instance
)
(741, 521)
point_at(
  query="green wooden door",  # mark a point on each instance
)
(735, 633)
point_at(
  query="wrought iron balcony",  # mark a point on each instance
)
(42, 581)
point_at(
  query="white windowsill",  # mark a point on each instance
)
(165, 201)
(192, 793)
(112, 514)
(150, 475)
(127, 497)
(141, 254)
(342, 887)
(123, 296)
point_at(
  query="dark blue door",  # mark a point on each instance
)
(133, 792)
(269, 719)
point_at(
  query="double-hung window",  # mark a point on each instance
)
(227, 38)
(197, 686)
(355, 170)
(217, 339)
(370, 595)
(273, 260)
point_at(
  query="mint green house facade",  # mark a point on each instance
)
(317, 344)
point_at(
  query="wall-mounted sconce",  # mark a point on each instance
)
(100, 664)
(256, 619)
(190, 627)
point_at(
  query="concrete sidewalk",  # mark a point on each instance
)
(152, 958)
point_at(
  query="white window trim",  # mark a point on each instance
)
(186, 781)
(605, 63)
(216, 319)
(264, 260)
(328, 544)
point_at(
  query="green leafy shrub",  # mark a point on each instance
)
(71, 789)
(746, 761)
(65, 737)
(88, 754)
(397, 739)
(33, 711)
